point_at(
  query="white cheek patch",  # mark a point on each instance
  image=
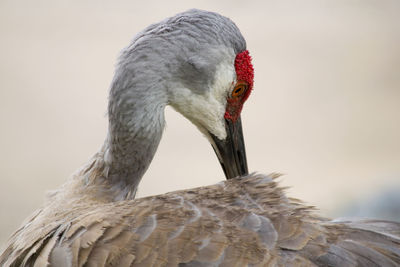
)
(207, 111)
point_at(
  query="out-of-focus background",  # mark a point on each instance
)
(325, 109)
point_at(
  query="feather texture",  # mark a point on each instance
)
(239, 222)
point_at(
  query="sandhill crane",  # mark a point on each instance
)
(196, 62)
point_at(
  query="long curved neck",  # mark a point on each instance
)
(134, 136)
(136, 123)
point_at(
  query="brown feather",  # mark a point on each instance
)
(239, 222)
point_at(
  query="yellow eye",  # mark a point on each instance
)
(239, 89)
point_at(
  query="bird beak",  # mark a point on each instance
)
(231, 152)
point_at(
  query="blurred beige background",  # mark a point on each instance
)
(325, 110)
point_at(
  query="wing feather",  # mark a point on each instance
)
(240, 222)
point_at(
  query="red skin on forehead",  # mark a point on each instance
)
(244, 73)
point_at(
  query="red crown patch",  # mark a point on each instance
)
(244, 70)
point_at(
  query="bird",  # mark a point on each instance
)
(198, 63)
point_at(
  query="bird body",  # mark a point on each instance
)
(196, 62)
(247, 221)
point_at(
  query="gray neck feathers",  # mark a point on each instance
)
(136, 121)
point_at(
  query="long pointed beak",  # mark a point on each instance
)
(231, 152)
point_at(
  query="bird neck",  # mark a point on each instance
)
(136, 123)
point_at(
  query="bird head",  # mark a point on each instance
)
(196, 62)
(216, 110)
(215, 78)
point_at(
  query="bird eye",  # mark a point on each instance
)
(239, 89)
